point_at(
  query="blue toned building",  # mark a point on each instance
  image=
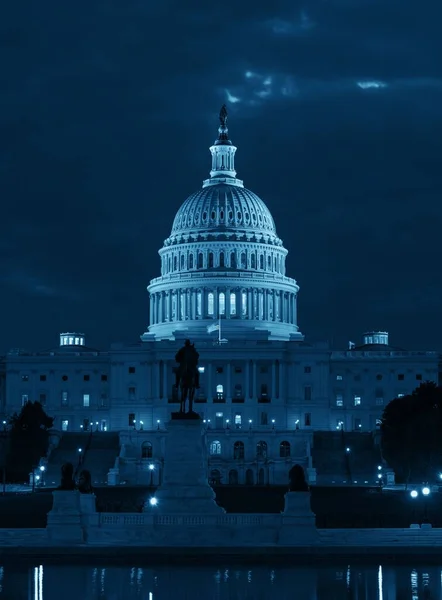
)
(264, 388)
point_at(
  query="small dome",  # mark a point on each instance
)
(224, 208)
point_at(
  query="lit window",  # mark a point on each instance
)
(86, 399)
(198, 304)
(338, 377)
(238, 420)
(215, 448)
(339, 400)
(233, 304)
(222, 303)
(24, 399)
(25, 377)
(357, 400)
(243, 304)
(308, 393)
(64, 425)
(210, 304)
(71, 341)
(77, 341)
(64, 398)
(400, 395)
(200, 369)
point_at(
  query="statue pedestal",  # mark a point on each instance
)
(113, 477)
(311, 475)
(185, 488)
(64, 520)
(298, 520)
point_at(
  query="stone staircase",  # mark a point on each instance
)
(101, 454)
(66, 451)
(364, 457)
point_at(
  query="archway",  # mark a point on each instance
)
(250, 479)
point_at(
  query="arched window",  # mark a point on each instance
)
(146, 450)
(200, 260)
(215, 477)
(284, 449)
(210, 262)
(210, 304)
(169, 264)
(253, 261)
(198, 304)
(269, 262)
(222, 303)
(244, 304)
(215, 448)
(175, 263)
(219, 392)
(182, 261)
(233, 260)
(261, 449)
(261, 261)
(221, 259)
(243, 260)
(190, 261)
(238, 450)
(233, 303)
(233, 477)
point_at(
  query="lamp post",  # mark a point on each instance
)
(151, 469)
(426, 491)
(250, 424)
(158, 424)
(80, 450)
(42, 470)
(273, 423)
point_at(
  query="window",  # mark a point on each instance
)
(379, 394)
(243, 260)
(244, 304)
(219, 370)
(219, 392)
(210, 304)
(232, 260)
(131, 370)
(238, 420)
(233, 303)
(200, 369)
(264, 418)
(222, 303)
(307, 419)
(64, 425)
(198, 304)
(221, 260)
(64, 378)
(132, 392)
(238, 390)
(238, 370)
(307, 369)
(238, 450)
(284, 449)
(86, 399)
(86, 377)
(131, 419)
(401, 377)
(104, 377)
(261, 450)
(400, 395)
(103, 399)
(215, 448)
(42, 399)
(24, 399)
(200, 260)
(64, 399)
(338, 377)
(42, 377)
(418, 377)
(210, 261)
(25, 377)
(339, 400)
(146, 450)
(379, 377)
(379, 401)
(264, 390)
(357, 400)
(308, 393)
(233, 477)
(263, 369)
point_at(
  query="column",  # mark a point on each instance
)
(209, 392)
(229, 382)
(273, 396)
(156, 373)
(274, 304)
(203, 303)
(150, 309)
(227, 292)
(249, 304)
(193, 304)
(216, 303)
(185, 307)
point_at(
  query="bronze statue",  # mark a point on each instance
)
(223, 116)
(297, 480)
(67, 478)
(85, 482)
(187, 375)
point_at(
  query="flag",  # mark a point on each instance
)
(212, 328)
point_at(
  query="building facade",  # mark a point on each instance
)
(264, 388)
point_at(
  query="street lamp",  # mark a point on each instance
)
(135, 423)
(153, 501)
(273, 423)
(297, 424)
(426, 491)
(141, 425)
(250, 424)
(79, 455)
(158, 423)
(348, 450)
(151, 469)
(228, 423)
(96, 425)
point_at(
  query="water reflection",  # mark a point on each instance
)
(223, 583)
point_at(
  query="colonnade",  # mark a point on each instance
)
(223, 302)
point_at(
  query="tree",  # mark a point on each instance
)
(29, 440)
(411, 433)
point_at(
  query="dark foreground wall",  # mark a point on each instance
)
(334, 507)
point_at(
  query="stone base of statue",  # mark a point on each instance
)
(185, 488)
(298, 520)
(64, 520)
(311, 475)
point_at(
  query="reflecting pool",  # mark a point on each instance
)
(220, 583)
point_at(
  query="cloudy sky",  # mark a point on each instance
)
(107, 109)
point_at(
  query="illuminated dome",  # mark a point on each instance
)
(223, 261)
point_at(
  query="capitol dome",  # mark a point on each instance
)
(223, 262)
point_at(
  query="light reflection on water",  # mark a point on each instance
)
(223, 583)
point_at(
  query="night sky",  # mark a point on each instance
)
(107, 110)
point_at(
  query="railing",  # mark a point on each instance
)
(121, 520)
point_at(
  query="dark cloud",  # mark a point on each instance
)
(107, 110)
